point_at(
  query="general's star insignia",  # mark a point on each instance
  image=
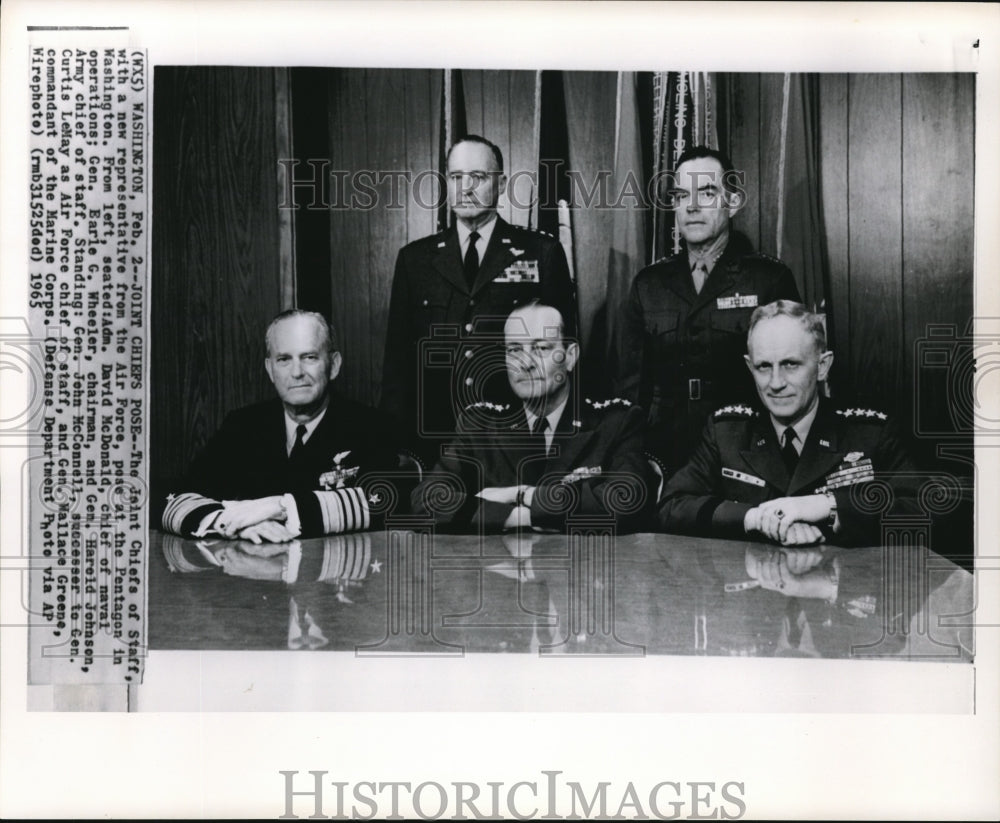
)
(375, 499)
(376, 566)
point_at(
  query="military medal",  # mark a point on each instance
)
(337, 478)
(737, 301)
(743, 478)
(520, 271)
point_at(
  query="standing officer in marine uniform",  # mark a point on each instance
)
(797, 472)
(451, 293)
(683, 329)
(545, 458)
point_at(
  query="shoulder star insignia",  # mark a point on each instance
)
(871, 414)
(739, 409)
(483, 404)
(170, 497)
(375, 499)
(376, 566)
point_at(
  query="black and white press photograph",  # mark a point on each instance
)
(582, 410)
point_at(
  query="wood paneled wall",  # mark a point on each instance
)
(897, 157)
(379, 120)
(897, 196)
(216, 245)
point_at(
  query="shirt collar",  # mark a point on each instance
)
(710, 255)
(801, 427)
(485, 233)
(553, 416)
(291, 426)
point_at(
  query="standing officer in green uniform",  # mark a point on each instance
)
(451, 294)
(799, 472)
(685, 323)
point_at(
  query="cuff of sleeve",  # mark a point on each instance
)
(187, 514)
(292, 522)
(332, 512)
(724, 517)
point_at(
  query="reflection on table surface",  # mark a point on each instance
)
(408, 593)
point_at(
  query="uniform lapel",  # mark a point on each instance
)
(497, 257)
(570, 441)
(448, 260)
(678, 279)
(763, 454)
(820, 454)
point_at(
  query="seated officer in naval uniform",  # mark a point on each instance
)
(540, 462)
(306, 463)
(795, 472)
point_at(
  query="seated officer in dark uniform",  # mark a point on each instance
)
(795, 472)
(452, 291)
(549, 457)
(305, 463)
(683, 330)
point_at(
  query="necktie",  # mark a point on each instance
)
(788, 453)
(699, 274)
(471, 264)
(299, 447)
(538, 434)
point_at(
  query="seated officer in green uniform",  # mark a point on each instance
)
(682, 331)
(538, 463)
(796, 472)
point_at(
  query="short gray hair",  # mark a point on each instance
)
(327, 333)
(811, 322)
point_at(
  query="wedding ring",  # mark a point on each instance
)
(779, 514)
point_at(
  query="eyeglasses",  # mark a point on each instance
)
(477, 177)
(536, 348)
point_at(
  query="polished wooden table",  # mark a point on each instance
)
(405, 592)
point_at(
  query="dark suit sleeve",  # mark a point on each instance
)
(623, 490)
(628, 360)
(558, 288)
(209, 473)
(862, 507)
(693, 502)
(784, 287)
(399, 366)
(448, 493)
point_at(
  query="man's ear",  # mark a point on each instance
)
(335, 363)
(735, 200)
(268, 368)
(501, 184)
(572, 355)
(749, 362)
(825, 362)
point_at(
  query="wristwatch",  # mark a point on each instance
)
(832, 519)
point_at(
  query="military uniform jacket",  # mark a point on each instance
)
(338, 482)
(442, 334)
(738, 466)
(595, 467)
(680, 353)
